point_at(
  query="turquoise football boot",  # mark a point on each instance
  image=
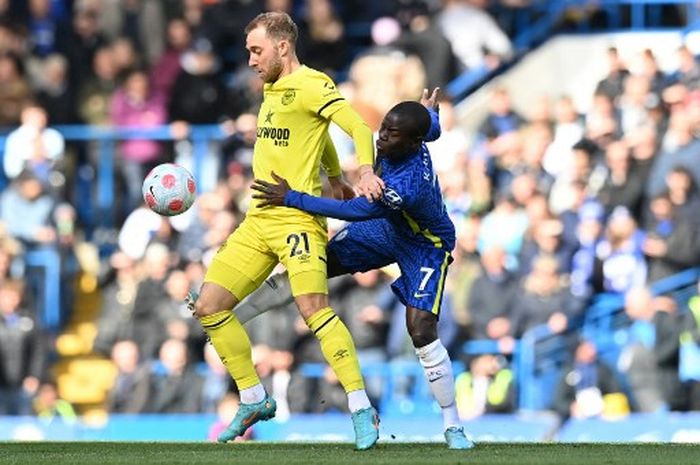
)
(247, 416)
(190, 300)
(456, 439)
(366, 424)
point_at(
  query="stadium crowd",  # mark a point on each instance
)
(551, 207)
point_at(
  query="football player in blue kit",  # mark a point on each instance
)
(408, 225)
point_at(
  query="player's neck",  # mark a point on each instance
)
(289, 67)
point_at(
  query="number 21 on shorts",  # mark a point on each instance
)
(299, 244)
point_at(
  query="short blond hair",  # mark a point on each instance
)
(278, 26)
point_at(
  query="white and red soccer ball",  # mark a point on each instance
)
(169, 189)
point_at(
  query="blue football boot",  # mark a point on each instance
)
(366, 424)
(247, 416)
(456, 439)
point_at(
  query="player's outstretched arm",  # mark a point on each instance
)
(370, 185)
(281, 194)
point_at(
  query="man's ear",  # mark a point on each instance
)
(283, 47)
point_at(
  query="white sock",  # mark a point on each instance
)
(438, 369)
(253, 394)
(357, 400)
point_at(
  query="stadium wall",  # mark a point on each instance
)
(666, 427)
(571, 65)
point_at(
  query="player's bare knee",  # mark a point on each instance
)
(310, 304)
(203, 308)
(422, 327)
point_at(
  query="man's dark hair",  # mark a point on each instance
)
(415, 118)
(586, 145)
(279, 26)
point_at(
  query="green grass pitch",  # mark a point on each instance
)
(132, 453)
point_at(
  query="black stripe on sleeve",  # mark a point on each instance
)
(327, 104)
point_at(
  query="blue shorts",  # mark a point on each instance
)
(372, 244)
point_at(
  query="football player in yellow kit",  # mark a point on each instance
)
(292, 140)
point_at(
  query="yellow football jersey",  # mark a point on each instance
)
(292, 130)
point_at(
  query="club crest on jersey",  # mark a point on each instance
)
(288, 97)
(392, 199)
(341, 235)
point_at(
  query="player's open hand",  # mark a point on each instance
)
(340, 189)
(271, 193)
(370, 185)
(430, 101)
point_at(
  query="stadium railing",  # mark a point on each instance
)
(97, 211)
(541, 354)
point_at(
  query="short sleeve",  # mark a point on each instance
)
(321, 96)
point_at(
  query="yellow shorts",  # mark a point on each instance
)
(250, 253)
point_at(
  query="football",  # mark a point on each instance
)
(169, 189)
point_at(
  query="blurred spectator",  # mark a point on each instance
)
(47, 34)
(129, 393)
(679, 148)
(589, 228)
(26, 210)
(137, 104)
(56, 92)
(505, 227)
(588, 387)
(568, 130)
(141, 21)
(215, 383)
(402, 77)
(14, 89)
(126, 57)
(546, 239)
(22, 351)
(354, 298)
(621, 187)
(451, 147)
(688, 72)
(147, 322)
(475, 37)
(423, 37)
(85, 40)
(174, 387)
(668, 325)
(487, 387)
(464, 272)
(613, 83)
(322, 44)
(637, 359)
(140, 228)
(620, 263)
(95, 95)
(118, 294)
(635, 103)
(501, 118)
(543, 299)
(649, 68)
(492, 297)
(689, 369)
(671, 244)
(642, 142)
(200, 94)
(176, 319)
(48, 406)
(684, 195)
(33, 146)
(167, 67)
